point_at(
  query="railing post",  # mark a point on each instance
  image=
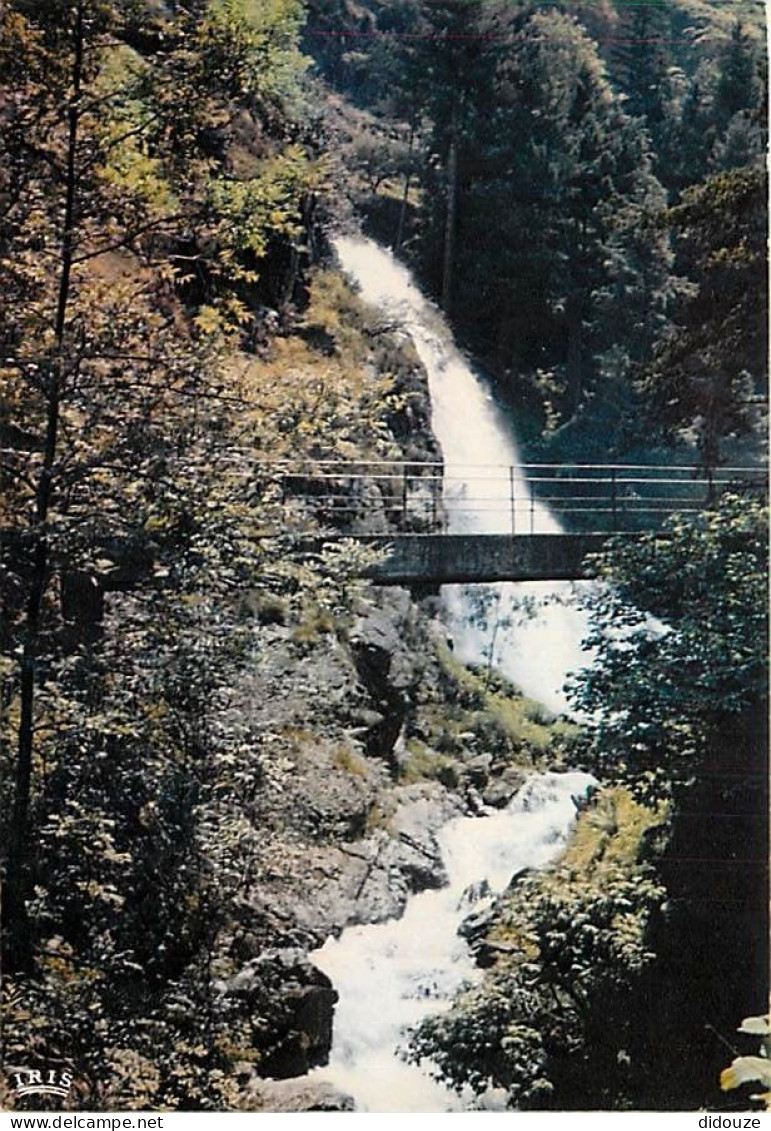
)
(435, 481)
(614, 500)
(513, 501)
(532, 508)
(404, 496)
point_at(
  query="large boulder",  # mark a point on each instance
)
(303, 1020)
(500, 789)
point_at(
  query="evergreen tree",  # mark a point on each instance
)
(556, 159)
(710, 367)
(721, 124)
(737, 87)
(452, 86)
(642, 62)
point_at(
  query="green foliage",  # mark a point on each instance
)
(543, 159)
(249, 48)
(253, 213)
(588, 985)
(500, 719)
(133, 520)
(662, 691)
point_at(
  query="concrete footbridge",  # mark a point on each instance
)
(438, 523)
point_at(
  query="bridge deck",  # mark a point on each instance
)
(442, 559)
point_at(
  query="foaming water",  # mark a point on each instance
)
(536, 648)
(392, 975)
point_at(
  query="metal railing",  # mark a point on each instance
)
(431, 496)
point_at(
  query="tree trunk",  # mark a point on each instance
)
(450, 218)
(575, 350)
(405, 197)
(16, 931)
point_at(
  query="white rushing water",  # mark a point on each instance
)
(391, 975)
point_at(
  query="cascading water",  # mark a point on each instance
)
(391, 975)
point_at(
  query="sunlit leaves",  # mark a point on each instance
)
(249, 48)
(252, 213)
(138, 838)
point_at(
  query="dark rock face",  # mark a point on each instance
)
(307, 1002)
(344, 838)
(385, 668)
(477, 769)
(476, 925)
(423, 811)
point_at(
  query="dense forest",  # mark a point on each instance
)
(204, 732)
(547, 167)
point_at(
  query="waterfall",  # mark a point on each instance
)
(391, 975)
(480, 452)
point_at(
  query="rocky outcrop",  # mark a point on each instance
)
(303, 1094)
(301, 998)
(423, 809)
(498, 791)
(363, 750)
(368, 880)
(478, 924)
(387, 668)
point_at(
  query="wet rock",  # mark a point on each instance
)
(475, 892)
(499, 791)
(356, 883)
(476, 770)
(296, 1094)
(474, 802)
(421, 812)
(517, 878)
(400, 755)
(368, 880)
(478, 923)
(386, 668)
